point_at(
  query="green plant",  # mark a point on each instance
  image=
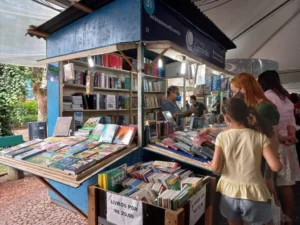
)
(24, 112)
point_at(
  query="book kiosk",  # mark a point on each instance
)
(133, 31)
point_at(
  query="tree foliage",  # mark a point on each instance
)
(12, 89)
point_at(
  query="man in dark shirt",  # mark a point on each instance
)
(170, 105)
(201, 109)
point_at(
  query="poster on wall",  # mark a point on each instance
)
(216, 82)
(52, 73)
(225, 84)
(207, 87)
(162, 23)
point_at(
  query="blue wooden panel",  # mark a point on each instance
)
(52, 103)
(115, 23)
(79, 196)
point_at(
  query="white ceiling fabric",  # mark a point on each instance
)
(15, 18)
(275, 38)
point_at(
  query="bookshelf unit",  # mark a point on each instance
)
(130, 112)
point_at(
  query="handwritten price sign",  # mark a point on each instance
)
(197, 205)
(123, 211)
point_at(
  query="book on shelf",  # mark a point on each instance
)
(152, 102)
(108, 133)
(78, 120)
(114, 119)
(125, 135)
(79, 166)
(111, 102)
(69, 72)
(80, 102)
(62, 127)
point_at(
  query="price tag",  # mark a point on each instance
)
(197, 205)
(123, 210)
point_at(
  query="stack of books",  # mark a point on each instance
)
(77, 103)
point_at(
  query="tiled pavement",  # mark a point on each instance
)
(26, 202)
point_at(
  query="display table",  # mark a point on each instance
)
(72, 189)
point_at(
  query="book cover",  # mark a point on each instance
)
(62, 127)
(55, 158)
(41, 158)
(63, 163)
(30, 153)
(91, 123)
(56, 147)
(85, 154)
(13, 154)
(110, 147)
(115, 177)
(110, 102)
(70, 141)
(125, 135)
(76, 149)
(78, 120)
(95, 135)
(69, 72)
(108, 133)
(79, 166)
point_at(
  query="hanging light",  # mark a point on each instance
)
(183, 66)
(91, 61)
(160, 63)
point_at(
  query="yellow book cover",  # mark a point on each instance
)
(100, 180)
(105, 184)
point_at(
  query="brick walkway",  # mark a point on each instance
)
(26, 202)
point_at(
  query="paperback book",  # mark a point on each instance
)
(62, 127)
(64, 163)
(41, 158)
(79, 166)
(125, 135)
(95, 135)
(17, 147)
(91, 123)
(30, 153)
(108, 133)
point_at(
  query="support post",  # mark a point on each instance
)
(140, 79)
(41, 179)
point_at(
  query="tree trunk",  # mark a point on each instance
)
(41, 99)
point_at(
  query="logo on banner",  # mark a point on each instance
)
(189, 40)
(149, 6)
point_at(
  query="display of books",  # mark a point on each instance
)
(13, 154)
(26, 144)
(62, 127)
(125, 135)
(70, 141)
(42, 158)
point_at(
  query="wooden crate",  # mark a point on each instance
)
(152, 214)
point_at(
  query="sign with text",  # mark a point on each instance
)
(162, 23)
(123, 210)
(197, 205)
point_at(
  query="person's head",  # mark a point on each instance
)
(236, 111)
(224, 100)
(233, 87)
(249, 88)
(294, 98)
(270, 80)
(193, 99)
(173, 94)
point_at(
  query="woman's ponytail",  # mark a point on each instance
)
(255, 122)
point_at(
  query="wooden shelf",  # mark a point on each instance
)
(154, 92)
(97, 110)
(154, 77)
(84, 64)
(66, 85)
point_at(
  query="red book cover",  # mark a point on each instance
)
(120, 62)
(112, 61)
(155, 69)
(125, 135)
(105, 60)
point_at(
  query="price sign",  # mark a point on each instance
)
(197, 205)
(123, 210)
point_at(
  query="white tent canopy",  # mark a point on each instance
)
(15, 18)
(276, 37)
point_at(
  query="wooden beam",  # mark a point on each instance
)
(37, 33)
(41, 179)
(81, 7)
(128, 61)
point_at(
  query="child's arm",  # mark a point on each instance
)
(272, 158)
(218, 160)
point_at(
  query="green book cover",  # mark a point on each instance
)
(95, 135)
(91, 123)
(115, 177)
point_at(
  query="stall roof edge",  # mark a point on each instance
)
(189, 11)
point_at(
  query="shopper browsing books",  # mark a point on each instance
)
(201, 109)
(237, 157)
(290, 174)
(170, 105)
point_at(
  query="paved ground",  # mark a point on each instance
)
(25, 202)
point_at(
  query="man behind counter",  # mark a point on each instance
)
(201, 109)
(170, 105)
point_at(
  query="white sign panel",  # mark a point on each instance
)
(123, 211)
(197, 205)
(200, 75)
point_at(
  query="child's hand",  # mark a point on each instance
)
(204, 132)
